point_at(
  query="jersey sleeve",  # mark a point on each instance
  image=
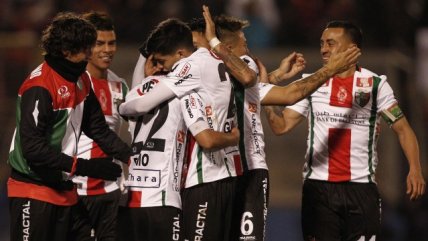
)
(138, 75)
(251, 63)
(184, 77)
(264, 88)
(193, 109)
(301, 107)
(145, 97)
(385, 96)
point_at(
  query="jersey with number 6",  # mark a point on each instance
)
(344, 124)
(158, 144)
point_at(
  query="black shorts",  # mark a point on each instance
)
(251, 205)
(151, 223)
(343, 211)
(37, 220)
(100, 212)
(207, 210)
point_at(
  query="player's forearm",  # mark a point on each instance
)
(274, 77)
(409, 144)
(236, 66)
(302, 88)
(213, 140)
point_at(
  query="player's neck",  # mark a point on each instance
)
(347, 73)
(96, 72)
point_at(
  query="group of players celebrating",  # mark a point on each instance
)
(196, 168)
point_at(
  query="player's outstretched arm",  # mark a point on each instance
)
(300, 89)
(214, 140)
(145, 102)
(235, 65)
(409, 143)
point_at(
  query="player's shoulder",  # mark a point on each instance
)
(113, 77)
(365, 73)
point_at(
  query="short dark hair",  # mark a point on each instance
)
(101, 20)
(227, 26)
(197, 25)
(354, 32)
(68, 32)
(168, 36)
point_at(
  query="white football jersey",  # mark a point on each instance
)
(158, 145)
(206, 166)
(344, 125)
(109, 93)
(251, 144)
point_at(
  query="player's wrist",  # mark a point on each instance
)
(214, 42)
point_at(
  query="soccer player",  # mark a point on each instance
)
(253, 186)
(100, 198)
(172, 48)
(340, 197)
(55, 103)
(159, 146)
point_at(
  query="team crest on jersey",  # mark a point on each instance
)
(180, 136)
(342, 94)
(364, 82)
(63, 91)
(103, 99)
(208, 111)
(362, 98)
(252, 107)
(184, 71)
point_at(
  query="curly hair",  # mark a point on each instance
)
(68, 32)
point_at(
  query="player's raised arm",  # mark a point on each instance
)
(235, 65)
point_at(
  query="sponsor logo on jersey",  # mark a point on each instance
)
(252, 107)
(254, 134)
(146, 87)
(365, 82)
(342, 94)
(208, 111)
(362, 98)
(184, 71)
(103, 99)
(183, 79)
(192, 102)
(143, 178)
(189, 111)
(63, 91)
(180, 136)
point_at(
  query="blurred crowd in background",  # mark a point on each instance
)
(386, 24)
